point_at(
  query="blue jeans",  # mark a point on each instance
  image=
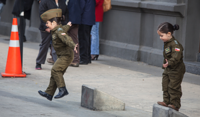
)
(95, 39)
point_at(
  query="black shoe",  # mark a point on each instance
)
(93, 57)
(38, 66)
(62, 92)
(83, 63)
(44, 94)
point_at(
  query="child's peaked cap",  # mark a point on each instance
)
(51, 14)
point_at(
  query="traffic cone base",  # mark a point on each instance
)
(13, 75)
(14, 65)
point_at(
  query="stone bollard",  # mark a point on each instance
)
(94, 99)
(161, 111)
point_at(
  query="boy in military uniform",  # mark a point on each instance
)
(173, 66)
(64, 46)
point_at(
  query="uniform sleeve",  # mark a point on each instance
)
(175, 56)
(66, 28)
(65, 38)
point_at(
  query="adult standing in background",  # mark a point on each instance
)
(27, 14)
(95, 30)
(74, 7)
(87, 20)
(45, 31)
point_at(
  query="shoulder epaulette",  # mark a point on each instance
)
(175, 42)
(59, 29)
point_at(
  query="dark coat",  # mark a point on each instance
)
(88, 13)
(74, 7)
(50, 4)
(27, 8)
(3, 1)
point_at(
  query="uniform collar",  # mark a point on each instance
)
(172, 39)
(53, 30)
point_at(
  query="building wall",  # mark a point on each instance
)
(129, 30)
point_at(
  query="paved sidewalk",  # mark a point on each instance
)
(135, 83)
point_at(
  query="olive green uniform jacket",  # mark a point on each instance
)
(64, 46)
(173, 74)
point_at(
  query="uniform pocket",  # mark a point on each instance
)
(168, 54)
(54, 41)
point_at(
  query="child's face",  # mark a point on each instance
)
(164, 37)
(51, 25)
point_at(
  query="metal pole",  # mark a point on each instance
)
(21, 29)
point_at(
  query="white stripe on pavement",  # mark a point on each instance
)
(14, 28)
(14, 43)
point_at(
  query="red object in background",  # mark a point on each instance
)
(99, 10)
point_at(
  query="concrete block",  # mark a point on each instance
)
(161, 111)
(94, 99)
(87, 97)
(174, 113)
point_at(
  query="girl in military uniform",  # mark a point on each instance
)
(173, 66)
(64, 46)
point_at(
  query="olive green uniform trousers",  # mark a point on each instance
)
(171, 85)
(57, 72)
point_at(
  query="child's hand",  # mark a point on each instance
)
(75, 48)
(166, 64)
(47, 30)
(69, 23)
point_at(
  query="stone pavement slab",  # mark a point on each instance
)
(135, 83)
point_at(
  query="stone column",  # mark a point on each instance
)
(191, 33)
(129, 29)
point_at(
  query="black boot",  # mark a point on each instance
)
(44, 94)
(62, 92)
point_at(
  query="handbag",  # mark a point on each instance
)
(107, 5)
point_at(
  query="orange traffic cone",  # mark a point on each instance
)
(13, 65)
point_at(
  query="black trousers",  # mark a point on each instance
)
(85, 42)
(46, 39)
